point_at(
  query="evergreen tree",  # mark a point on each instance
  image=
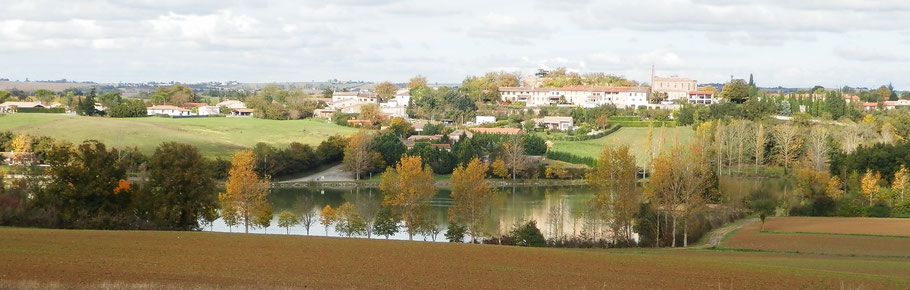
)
(785, 108)
(86, 107)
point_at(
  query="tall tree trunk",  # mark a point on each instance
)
(657, 241)
(685, 232)
(674, 232)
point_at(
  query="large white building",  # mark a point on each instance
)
(585, 96)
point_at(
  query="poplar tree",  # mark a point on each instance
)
(246, 195)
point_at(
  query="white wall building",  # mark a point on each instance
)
(479, 120)
(232, 104)
(167, 110)
(702, 97)
(585, 96)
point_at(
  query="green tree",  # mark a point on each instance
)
(455, 233)
(534, 145)
(763, 203)
(183, 184)
(386, 90)
(386, 223)
(389, 146)
(347, 220)
(86, 106)
(45, 96)
(736, 91)
(287, 219)
(528, 235)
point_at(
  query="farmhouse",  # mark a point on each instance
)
(556, 123)
(167, 110)
(12, 106)
(323, 113)
(242, 112)
(202, 109)
(231, 104)
(456, 135)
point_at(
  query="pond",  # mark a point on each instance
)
(558, 210)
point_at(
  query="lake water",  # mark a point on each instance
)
(558, 210)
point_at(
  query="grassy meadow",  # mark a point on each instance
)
(42, 258)
(634, 137)
(214, 136)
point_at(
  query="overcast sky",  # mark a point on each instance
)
(782, 42)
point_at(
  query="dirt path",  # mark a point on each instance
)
(718, 235)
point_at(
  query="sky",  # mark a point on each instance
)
(781, 42)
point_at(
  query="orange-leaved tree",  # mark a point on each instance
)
(246, 195)
(408, 188)
(616, 197)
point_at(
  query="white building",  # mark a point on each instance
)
(702, 97)
(479, 120)
(556, 123)
(232, 104)
(167, 110)
(585, 96)
(360, 97)
(208, 110)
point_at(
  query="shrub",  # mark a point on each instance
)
(455, 233)
(528, 235)
(571, 158)
(823, 206)
(880, 210)
(41, 110)
(902, 210)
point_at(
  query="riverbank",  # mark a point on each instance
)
(42, 258)
(438, 183)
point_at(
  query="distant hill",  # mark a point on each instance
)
(33, 86)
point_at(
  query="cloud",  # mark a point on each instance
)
(867, 54)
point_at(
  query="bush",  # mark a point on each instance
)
(455, 233)
(880, 210)
(528, 235)
(534, 145)
(823, 206)
(902, 210)
(624, 118)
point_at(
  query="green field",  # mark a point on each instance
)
(41, 258)
(632, 137)
(214, 136)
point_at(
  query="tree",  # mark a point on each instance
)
(246, 195)
(616, 196)
(371, 112)
(870, 186)
(759, 146)
(817, 148)
(357, 155)
(305, 207)
(176, 95)
(528, 235)
(789, 143)
(499, 168)
(183, 183)
(471, 197)
(534, 145)
(455, 233)
(388, 146)
(834, 188)
(327, 217)
(900, 182)
(287, 219)
(416, 82)
(785, 109)
(852, 136)
(386, 223)
(44, 96)
(347, 221)
(408, 188)
(400, 127)
(386, 90)
(763, 203)
(736, 91)
(513, 154)
(681, 181)
(86, 106)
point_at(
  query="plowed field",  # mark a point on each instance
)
(39, 258)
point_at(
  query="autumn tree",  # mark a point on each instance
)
(835, 187)
(246, 195)
(760, 141)
(386, 90)
(176, 95)
(617, 197)
(817, 148)
(357, 155)
(181, 180)
(417, 81)
(852, 136)
(789, 142)
(471, 197)
(870, 185)
(347, 221)
(327, 217)
(408, 188)
(680, 183)
(287, 219)
(513, 154)
(305, 207)
(372, 113)
(900, 182)
(499, 168)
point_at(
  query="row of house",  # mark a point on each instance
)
(237, 109)
(13, 106)
(593, 96)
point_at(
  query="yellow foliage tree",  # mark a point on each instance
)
(357, 155)
(246, 195)
(417, 81)
(471, 196)
(499, 169)
(616, 197)
(327, 217)
(899, 185)
(408, 188)
(870, 185)
(835, 188)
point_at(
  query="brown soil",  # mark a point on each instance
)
(38, 258)
(870, 226)
(820, 243)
